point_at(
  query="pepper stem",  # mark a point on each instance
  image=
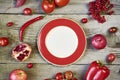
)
(100, 63)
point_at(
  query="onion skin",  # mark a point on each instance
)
(19, 3)
(99, 41)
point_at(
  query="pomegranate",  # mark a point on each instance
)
(18, 74)
(99, 41)
(21, 52)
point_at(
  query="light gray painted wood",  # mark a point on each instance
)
(74, 7)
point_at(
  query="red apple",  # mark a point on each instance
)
(18, 74)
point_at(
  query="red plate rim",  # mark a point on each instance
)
(56, 60)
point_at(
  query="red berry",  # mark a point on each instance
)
(113, 30)
(9, 24)
(84, 20)
(30, 65)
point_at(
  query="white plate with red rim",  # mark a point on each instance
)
(61, 41)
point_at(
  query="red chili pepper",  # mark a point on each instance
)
(24, 26)
(19, 3)
(97, 71)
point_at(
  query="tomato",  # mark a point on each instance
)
(68, 75)
(113, 30)
(84, 20)
(27, 11)
(61, 3)
(30, 65)
(59, 76)
(4, 41)
(48, 6)
(111, 57)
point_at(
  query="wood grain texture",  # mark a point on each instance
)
(75, 10)
(43, 71)
(31, 34)
(74, 7)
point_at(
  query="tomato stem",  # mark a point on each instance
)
(100, 63)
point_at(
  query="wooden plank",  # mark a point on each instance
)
(30, 37)
(74, 7)
(43, 71)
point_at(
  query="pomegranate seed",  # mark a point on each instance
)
(9, 24)
(21, 57)
(30, 65)
(26, 52)
(84, 20)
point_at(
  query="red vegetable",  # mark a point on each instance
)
(19, 3)
(84, 20)
(30, 65)
(113, 30)
(48, 6)
(97, 71)
(99, 41)
(111, 57)
(9, 24)
(68, 75)
(61, 3)
(24, 26)
(59, 76)
(4, 41)
(27, 11)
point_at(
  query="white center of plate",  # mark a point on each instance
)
(61, 41)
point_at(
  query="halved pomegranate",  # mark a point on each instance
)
(21, 52)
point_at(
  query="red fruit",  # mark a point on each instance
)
(84, 20)
(4, 41)
(18, 74)
(111, 57)
(99, 41)
(48, 6)
(21, 52)
(68, 75)
(30, 65)
(27, 11)
(59, 76)
(113, 30)
(61, 3)
(9, 24)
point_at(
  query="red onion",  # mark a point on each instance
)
(99, 41)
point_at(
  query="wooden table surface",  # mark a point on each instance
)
(75, 10)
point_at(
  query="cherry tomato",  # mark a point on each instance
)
(68, 75)
(111, 57)
(48, 6)
(59, 76)
(99, 41)
(4, 41)
(113, 30)
(9, 24)
(27, 11)
(30, 65)
(84, 20)
(61, 3)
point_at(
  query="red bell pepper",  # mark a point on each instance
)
(97, 71)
